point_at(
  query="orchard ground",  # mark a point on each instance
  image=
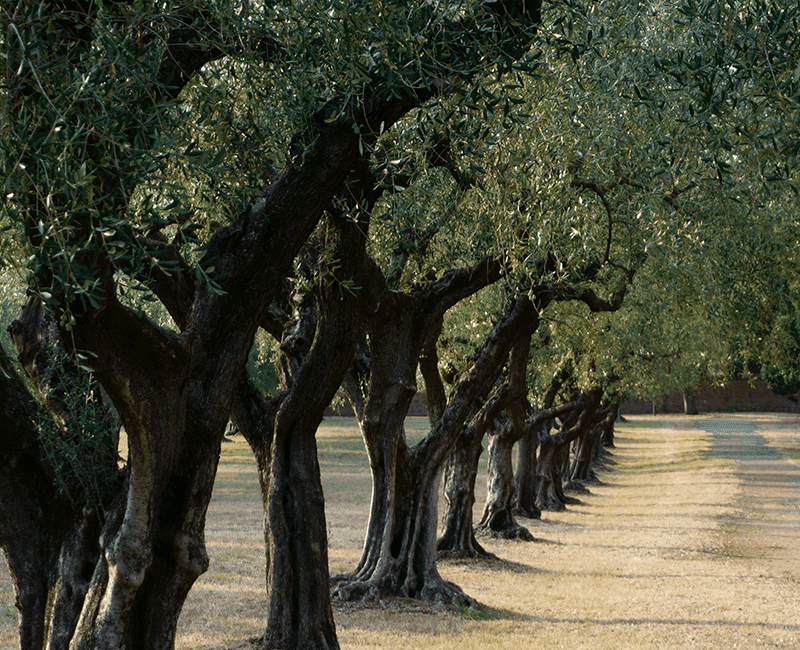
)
(691, 539)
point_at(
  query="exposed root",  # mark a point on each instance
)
(435, 590)
(577, 486)
(511, 532)
(529, 512)
(551, 504)
(476, 552)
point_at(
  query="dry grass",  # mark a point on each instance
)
(676, 548)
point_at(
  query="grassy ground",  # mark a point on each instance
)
(677, 547)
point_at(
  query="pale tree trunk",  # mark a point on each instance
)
(498, 517)
(689, 403)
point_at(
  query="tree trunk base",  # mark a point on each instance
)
(578, 487)
(261, 643)
(467, 551)
(374, 590)
(551, 503)
(465, 554)
(530, 511)
(510, 532)
(605, 459)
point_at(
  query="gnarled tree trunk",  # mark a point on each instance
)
(399, 556)
(498, 513)
(525, 477)
(35, 519)
(458, 538)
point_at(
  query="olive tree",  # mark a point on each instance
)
(117, 123)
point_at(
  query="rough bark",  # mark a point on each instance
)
(582, 468)
(498, 518)
(547, 475)
(554, 454)
(525, 477)
(458, 538)
(174, 391)
(34, 520)
(298, 592)
(399, 553)
(607, 438)
(55, 489)
(591, 451)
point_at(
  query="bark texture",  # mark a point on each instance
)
(554, 453)
(174, 390)
(400, 548)
(525, 476)
(458, 538)
(57, 484)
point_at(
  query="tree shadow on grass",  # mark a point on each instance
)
(491, 564)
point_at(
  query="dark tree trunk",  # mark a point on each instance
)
(582, 471)
(689, 403)
(460, 473)
(90, 549)
(607, 433)
(298, 585)
(548, 477)
(399, 556)
(323, 333)
(299, 613)
(498, 513)
(458, 539)
(34, 518)
(553, 460)
(54, 490)
(525, 477)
